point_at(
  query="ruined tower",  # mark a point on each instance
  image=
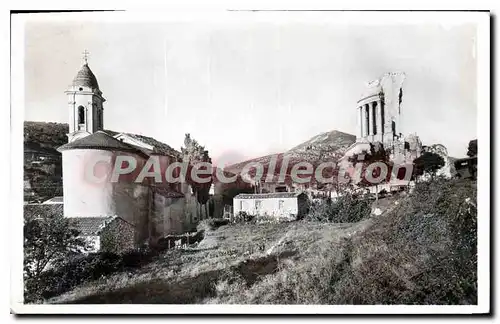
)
(379, 109)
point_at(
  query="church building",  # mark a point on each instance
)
(146, 210)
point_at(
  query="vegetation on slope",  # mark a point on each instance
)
(424, 251)
(45, 136)
(421, 250)
(42, 161)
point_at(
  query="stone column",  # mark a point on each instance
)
(370, 114)
(363, 122)
(360, 123)
(367, 120)
(380, 127)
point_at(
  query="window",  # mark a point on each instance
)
(258, 203)
(81, 115)
(280, 204)
(241, 204)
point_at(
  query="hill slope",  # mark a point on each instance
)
(45, 137)
(327, 146)
(42, 161)
(330, 141)
(422, 249)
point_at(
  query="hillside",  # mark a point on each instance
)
(327, 146)
(42, 161)
(421, 249)
(327, 141)
(45, 137)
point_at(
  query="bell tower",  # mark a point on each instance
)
(85, 102)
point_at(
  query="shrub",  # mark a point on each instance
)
(212, 223)
(136, 258)
(424, 251)
(49, 239)
(90, 267)
(344, 209)
(243, 217)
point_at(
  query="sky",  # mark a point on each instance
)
(250, 88)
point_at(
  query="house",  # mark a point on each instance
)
(110, 234)
(105, 234)
(466, 167)
(281, 205)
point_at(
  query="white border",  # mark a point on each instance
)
(17, 117)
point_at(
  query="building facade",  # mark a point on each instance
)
(279, 205)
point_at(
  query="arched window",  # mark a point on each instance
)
(81, 115)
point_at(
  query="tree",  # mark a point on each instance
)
(377, 153)
(229, 193)
(195, 153)
(472, 149)
(48, 241)
(428, 163)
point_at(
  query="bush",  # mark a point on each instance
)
(212, 223)
(345, 209)
(49, 240)
(424, 251)
(136, 258)
(85, 268)
(244, 217)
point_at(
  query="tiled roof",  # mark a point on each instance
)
(269, 195)
(85, 78)
(110, 132)
(43, 210)
(86, 225)
(159, 147)
(90, 225)
(105, 139)
(99, 140)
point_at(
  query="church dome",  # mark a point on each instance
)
(85, 78)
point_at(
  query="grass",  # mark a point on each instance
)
(238, 250)
(420, 250)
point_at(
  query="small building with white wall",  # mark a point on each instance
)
(281, 205)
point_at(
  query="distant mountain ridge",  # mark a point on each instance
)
(333, 140)
(326, 146)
